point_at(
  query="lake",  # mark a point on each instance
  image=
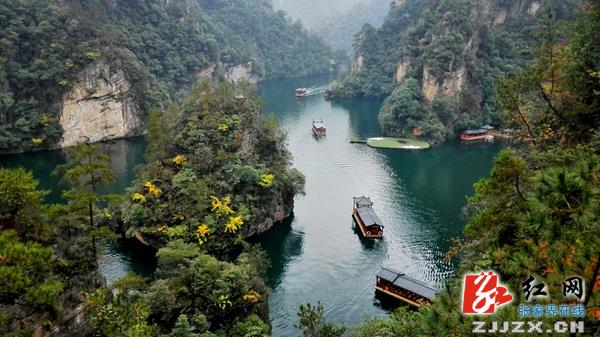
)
(316, 255)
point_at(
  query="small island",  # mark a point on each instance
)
(393, 143)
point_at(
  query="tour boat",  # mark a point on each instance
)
(405, 288)
(477, 134)
(366, 219)
(301, 92)
(318, 127)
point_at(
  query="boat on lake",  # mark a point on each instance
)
(476, 134)
(405, 288)
(318, 127)
(301, 92)
(366, 219)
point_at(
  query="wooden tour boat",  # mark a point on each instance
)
(366, 219)
(301, 92)
(405, 288)
(477, 134)
(318, 127)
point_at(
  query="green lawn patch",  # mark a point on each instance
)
(397, 143)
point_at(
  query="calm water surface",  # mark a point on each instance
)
(316, 255)
(419, 195)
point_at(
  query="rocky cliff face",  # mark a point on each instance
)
(100, 106)
(489, 17)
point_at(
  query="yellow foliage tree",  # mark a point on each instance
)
(179, 160)
(221, 206)
(266, 180)
(252, 296)
(234, 223)
(152, 189)
(202, 233)
(138, 198)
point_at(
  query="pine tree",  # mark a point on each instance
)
(87, 169)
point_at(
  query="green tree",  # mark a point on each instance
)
(87, 169)
(21, 204)
(312, 322)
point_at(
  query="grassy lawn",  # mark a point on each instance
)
(397, 143)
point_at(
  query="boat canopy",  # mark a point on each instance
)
(487, 127)
(403, 281)
(475, 131)
(369, 217)
(362, 201)
(318, 123)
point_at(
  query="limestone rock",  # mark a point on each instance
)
(99, 106)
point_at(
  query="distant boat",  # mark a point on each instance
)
(301, 92)
(405, 288)
(477, 134)
(364, 215)
(318, 127)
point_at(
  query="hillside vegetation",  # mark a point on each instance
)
(437, 62)
(216, 174)
(161, 46)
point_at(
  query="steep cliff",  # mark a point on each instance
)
(437, 61)
(99, 106)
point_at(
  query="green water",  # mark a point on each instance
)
(419, 195)
(316, 255)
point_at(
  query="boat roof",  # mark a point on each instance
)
(475, 131)
(369, 217)
(319, 125)
(406, 282)
(301, 89)
(488, 127)
(363, 201)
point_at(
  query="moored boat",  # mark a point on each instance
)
(405, 288)
(476, 134)
(366, 219)
(318, 127)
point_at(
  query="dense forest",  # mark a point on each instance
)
(538, 212)
(196, 200)
(161, 46)
(437, 62)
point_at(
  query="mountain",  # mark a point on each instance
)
(339, 29)
(437, 62)
(74, 70)
(313, 12)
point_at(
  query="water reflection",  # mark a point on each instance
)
(283, 246)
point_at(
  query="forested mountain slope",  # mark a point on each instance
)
(437, 61)
(67, 65)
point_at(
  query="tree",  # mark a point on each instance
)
(21, 204)
(313, 323)
(87, 169)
